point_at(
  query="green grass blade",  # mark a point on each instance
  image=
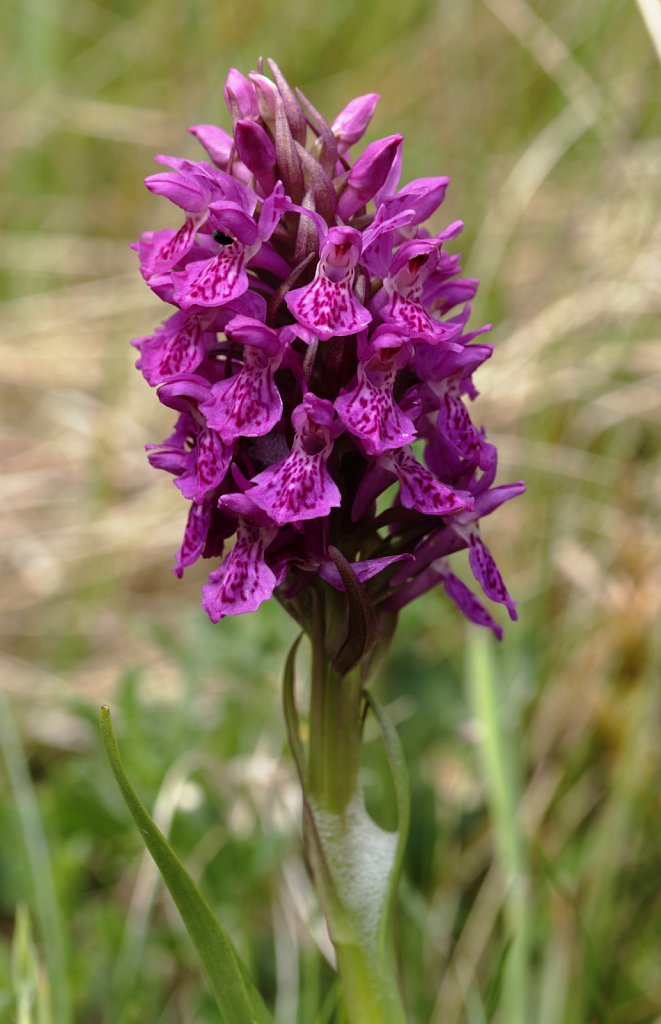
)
(500, 775)
(237, 999)
(47, 909)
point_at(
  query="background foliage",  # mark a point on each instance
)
(532, 871)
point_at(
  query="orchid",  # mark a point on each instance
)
(318, 355)
(319, 331)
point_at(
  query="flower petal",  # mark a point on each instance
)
(420, 489)
(328, 308)
(486, 572)
(467, 602)
(177, 346)
(417, 321)
(370, 413)
(300, 487)
(209, 462)
(195, 536)
(243, 581)
(213, 282)
(249, 403)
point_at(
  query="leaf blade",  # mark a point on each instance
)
(237, 999)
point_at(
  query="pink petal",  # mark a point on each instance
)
(210, 461)
(161, 250)
(328, 308)
(456, 425)
(487, 574)
(421, 490)
(417, 321)
(244, 580)
(371, 414)
(213, 282)
(246, 405)
(195, 535)
(175, 347)
(467, 603)
(300, 487)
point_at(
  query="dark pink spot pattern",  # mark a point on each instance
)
(195, 536)
(420, 490)
(178, 346)
(417, 321)
(370, 413)
(300, 487)
(486, 572)
(208, 463)
(243, 581)
(466, 601)
(455, 424)
(249, 403)
(328, 306)
(213, 282)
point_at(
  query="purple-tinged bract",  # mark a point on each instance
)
(316, 332)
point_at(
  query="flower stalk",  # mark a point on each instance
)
(354, 862)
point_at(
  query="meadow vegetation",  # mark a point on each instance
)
(531, 891)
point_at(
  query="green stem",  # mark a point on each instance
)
(370, 988)
(335, 731)
(354, 862)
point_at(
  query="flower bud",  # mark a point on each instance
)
(351, 123)
(240, 96)
(256, 150)
(369, 174)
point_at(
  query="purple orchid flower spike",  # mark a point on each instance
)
(318, 354)
(328, 307)
(318, 330)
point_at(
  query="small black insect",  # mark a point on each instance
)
(222, 238)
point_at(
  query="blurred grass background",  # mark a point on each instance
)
(532, 892)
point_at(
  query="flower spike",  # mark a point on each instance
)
(317, 352)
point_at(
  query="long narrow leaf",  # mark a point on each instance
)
(48, 913)
(400, 778)
(237, 998)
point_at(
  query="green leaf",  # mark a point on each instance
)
(361, 627)
(291, 712)
(237, 999)
(400, 778)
